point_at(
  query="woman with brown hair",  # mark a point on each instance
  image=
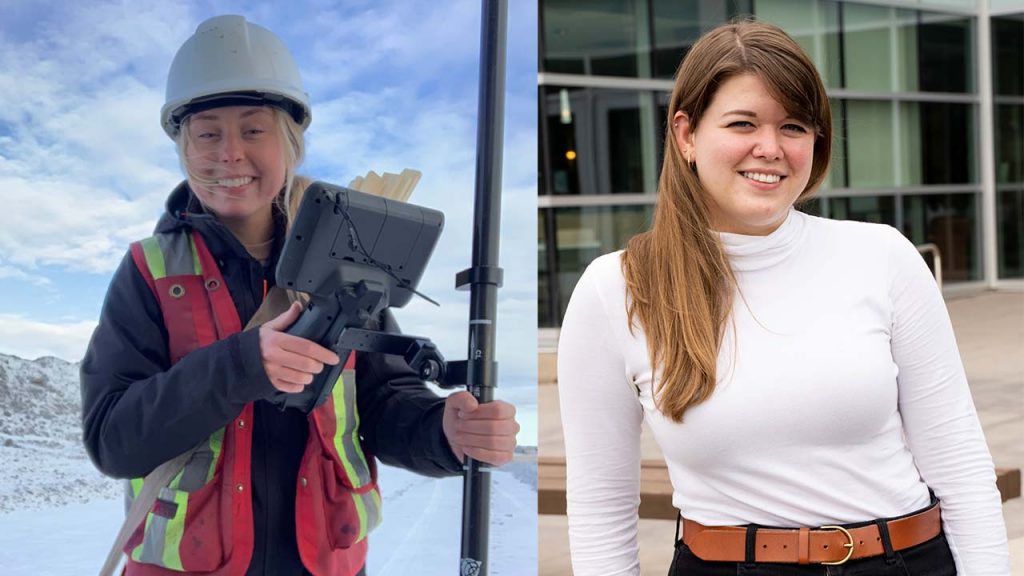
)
(799, 374)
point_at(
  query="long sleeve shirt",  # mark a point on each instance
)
(840, 398)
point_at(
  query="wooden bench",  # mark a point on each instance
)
(656, 490)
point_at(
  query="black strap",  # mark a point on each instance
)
(679, 519)
(883, 531)
(748, 556)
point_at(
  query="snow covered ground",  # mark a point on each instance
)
(422, 527)
(59, 515)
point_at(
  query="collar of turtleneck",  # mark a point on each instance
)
(757, 252)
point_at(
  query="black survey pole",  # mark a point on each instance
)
(484, 277)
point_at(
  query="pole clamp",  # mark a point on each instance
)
(479, 275)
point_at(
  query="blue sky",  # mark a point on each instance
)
(85, 167)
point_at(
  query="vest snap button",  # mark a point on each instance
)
(303, 481)
(212, 284)
(177, 290)
(240, 487)
(241, 423)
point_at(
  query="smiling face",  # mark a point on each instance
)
(752, 158)
(236, 163)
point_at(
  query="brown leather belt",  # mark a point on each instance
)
(824, 545)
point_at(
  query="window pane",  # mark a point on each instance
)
(600, 141)
(945, 53)
(869, 144)
(545, 311)
(878, 209)
(1008, 55)
(836, 177)
(946, 139)
(599, 37)
(1010, 216)
(936, 52)
(814, 25)
(1004, 5)
(950, 222)
(584, 233)
(954, 3)
(867, 47)
(815, 206)
(938, 143)
(678, 24)
(1009, 132)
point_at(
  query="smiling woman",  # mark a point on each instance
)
(753, 157)
(170, 374)
(235, 160)
(793, 370)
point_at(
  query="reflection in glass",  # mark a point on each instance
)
(836, 177)
(598, 37)
(600, 141)
(867, 47)
(815, 27)
(937, 143)
(678, 24)
(584, 233)
(936, 52)
(869, 146)
(950, 221)
(545, 310)
(878, 209)
(1009, 135)
(945, 53)
(1010, 233)
(814, 206)
(1008, 55)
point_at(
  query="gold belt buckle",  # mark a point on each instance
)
(847, 545)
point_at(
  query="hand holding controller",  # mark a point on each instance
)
(291, 361)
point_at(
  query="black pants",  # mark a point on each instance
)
(931, 558)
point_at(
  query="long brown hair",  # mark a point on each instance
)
(678, 276)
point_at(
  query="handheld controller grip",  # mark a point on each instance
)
(355, 254)
(315, 323)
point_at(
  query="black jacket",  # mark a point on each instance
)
(138, 411)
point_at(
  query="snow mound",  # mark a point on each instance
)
(44, 462)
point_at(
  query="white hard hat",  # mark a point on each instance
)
(231, 62)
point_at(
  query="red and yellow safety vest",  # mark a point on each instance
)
(202, 522)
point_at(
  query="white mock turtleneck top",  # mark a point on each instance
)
(841, 398)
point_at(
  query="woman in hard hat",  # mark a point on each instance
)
(799, 374)
(170, 369)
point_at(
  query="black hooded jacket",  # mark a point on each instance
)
(139, 411)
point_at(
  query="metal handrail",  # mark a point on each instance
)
(936, 260)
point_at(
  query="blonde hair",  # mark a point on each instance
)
(293, 149)
(678, 277)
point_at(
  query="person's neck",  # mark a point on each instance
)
(256, 234)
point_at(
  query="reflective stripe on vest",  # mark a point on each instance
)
(165, 525)
(166, 258)
(350, 452)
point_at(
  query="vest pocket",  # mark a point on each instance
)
(183, 530)
(349, 513)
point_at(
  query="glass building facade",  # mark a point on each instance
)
(909, 108)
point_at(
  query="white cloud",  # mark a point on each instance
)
(18, 274)
(30, 339)
(83, 163)
(387, 43)
(85, 167)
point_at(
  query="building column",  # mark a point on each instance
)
(986, 117)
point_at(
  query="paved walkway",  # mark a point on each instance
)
(990, 332)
